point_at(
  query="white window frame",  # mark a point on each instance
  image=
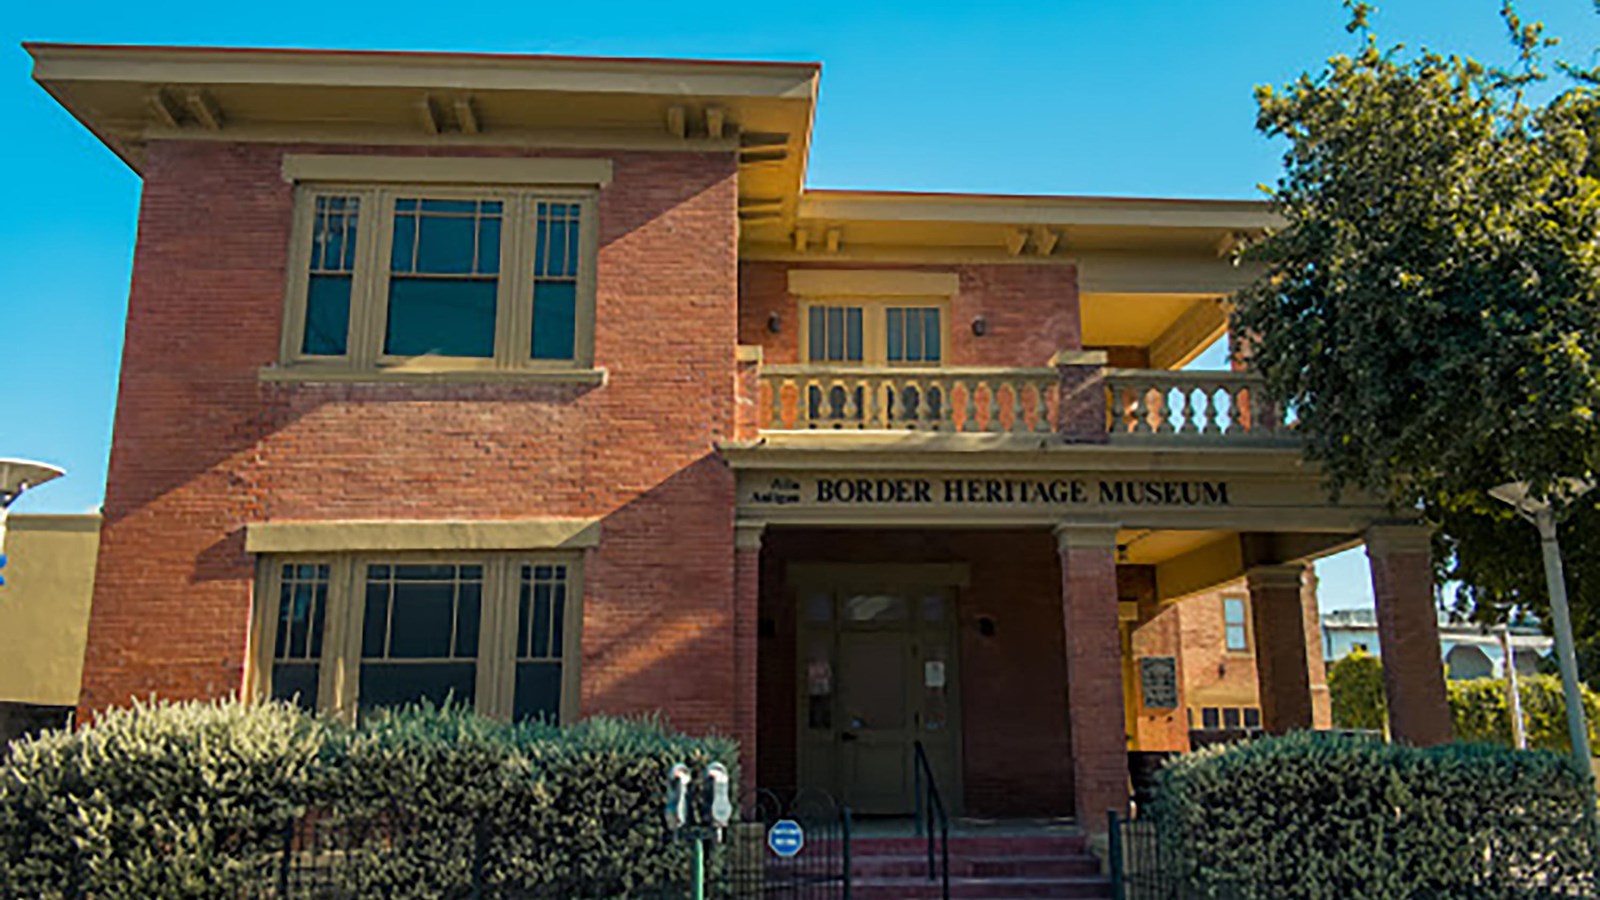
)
(338, 688)
(875, 330)
(365, 337)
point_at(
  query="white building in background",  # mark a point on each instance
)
(1468, 650)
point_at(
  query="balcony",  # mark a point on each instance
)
(1082, 402)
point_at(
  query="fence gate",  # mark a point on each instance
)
(745, 867)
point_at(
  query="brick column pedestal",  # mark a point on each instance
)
(1408, 633)
(1094, 671)
(1277, 613)
(1081, 396)
(746, 611)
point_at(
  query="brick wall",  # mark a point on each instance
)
(1031, 310)
(1016, 751)
(201, 447)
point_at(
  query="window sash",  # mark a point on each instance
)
(498, 667)
(880, 334)
(371, 278)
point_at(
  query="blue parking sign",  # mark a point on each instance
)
(786, 837)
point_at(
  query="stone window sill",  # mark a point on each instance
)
(314, 374)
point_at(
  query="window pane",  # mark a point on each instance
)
(524, 617)
(1236, 638)
(1230, 717)
(541, 620)
(538, 691)
(894, 322)
(445, 246)
(423, 615)
(913, 335)
(558, 620)
(853, 323)
(327, 315)
(819, 334)
(835, 333)
(467, 616)
(1233, 610)
(555, 319)
(448, 317)
(1252, 717)
(1209, 717)
(395, 684)
(375, 622)
(296, 682)
(932, 351)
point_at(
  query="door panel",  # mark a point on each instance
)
(875, 724)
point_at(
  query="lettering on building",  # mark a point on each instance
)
(1008, 492)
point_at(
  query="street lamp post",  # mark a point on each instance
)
(1541, 513)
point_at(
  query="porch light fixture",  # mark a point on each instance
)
(980, 326)
(17, 476)
(774, 323)
(1540, 512)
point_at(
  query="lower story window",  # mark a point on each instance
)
(353, 633)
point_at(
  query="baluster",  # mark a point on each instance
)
(1041, 417)
(810, 404)
(1235, 412)
(993, 424)
(1187, 399)
(872, 415)
(777, 403)
(1019, 415)
(1141, 410)
(1167, 413)
(1213, 416)
(924, 408)
(969, 406)
(852, 410)
(938, 411)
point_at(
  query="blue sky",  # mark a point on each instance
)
(1135, 97)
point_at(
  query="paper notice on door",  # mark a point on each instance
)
(933, 673)
(819, 678)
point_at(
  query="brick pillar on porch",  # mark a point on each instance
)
(1081, 396)
(746, 611)
(1408, 633)
(1277, 614)
(1094, 671)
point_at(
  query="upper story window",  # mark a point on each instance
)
(429, 276)
(1236, 631)
(890, 332)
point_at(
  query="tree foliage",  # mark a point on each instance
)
(1355, 692)
(1430, 307)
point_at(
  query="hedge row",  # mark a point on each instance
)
(194, 800)
(1478, 708)
(1323, 816)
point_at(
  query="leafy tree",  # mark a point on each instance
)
(1355, 692)
(1430, 308)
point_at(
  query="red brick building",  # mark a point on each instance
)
(544, 383)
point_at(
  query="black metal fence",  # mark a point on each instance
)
(389, 857)
(1146, 867)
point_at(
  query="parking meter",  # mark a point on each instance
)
(721, 801)
(678, 797)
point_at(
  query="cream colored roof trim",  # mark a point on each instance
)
(872, 283)
(300, 167)
(353, 536)
(889, 206)
(449, 71)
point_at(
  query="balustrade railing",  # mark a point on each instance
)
(1225, 406)
(960, 399)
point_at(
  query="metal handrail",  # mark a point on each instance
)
(925, 817)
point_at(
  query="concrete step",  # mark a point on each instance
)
(1085, 886)
(975, 845)
(1007, 865)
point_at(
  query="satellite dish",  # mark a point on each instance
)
(18, 475)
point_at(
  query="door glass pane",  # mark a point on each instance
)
(819, 606)
(933, 607)
(875, 608)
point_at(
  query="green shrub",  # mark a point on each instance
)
(196, 800)
(158, 800)
(1331, 816)
(1355, 692)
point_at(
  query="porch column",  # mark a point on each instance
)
(1278, 616)
(1094, 670)
(1408, 633)
(746, 610)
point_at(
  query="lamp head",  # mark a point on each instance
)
(19, 475)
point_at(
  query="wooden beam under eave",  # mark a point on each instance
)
(716, 121)
(467, 116)
(1189, 335)
(166, 109)
(204, 108)
(677, 121)
(801, 238)
(833, 239)
(1044, 241)
(427, 116)
(1016, 239)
